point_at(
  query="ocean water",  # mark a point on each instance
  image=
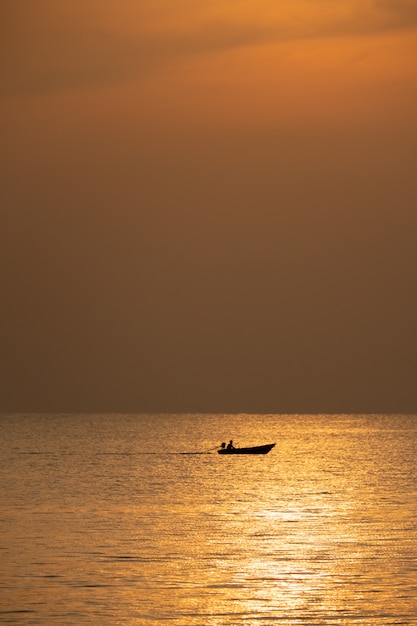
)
(135, 519)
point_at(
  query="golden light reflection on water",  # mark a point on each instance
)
(321, 530)
(301, 562)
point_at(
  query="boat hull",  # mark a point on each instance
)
(253, 450)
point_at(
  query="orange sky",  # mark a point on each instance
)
(208, 205)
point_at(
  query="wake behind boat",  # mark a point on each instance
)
(252, 450)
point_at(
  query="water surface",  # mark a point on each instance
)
(135, 519)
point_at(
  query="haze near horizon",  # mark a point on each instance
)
(208, 206)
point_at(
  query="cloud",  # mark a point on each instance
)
(398, 13)
(50, 46)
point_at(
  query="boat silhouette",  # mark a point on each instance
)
(252, 450)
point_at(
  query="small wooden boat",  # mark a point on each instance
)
(253, 450)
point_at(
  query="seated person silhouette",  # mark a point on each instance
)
(230, 445)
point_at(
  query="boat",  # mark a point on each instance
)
(253, 450)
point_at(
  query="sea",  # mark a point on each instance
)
(136, 520)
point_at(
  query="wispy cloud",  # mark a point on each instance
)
(49, 46)
(398, 13)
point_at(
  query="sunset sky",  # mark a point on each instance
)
(208, 206)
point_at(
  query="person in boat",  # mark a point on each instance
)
(230, 445)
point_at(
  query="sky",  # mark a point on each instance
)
(208, 206)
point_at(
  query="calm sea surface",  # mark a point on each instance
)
(128, 519)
